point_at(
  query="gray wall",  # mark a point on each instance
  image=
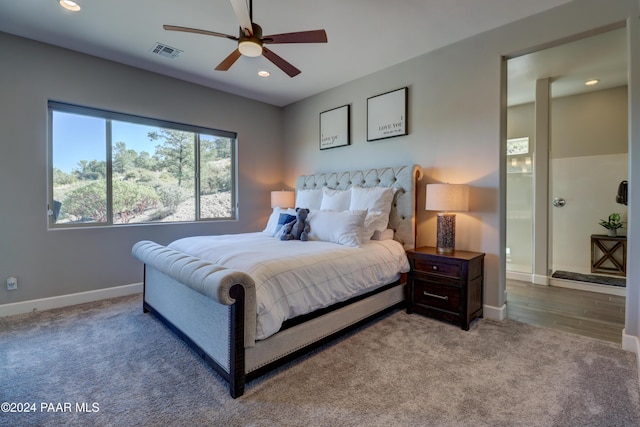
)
(456, 124)
(58, 262)
(590, 124)
(521, 122)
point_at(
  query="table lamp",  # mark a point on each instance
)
(447, 197)
(283, 199)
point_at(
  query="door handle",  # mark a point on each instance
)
(559, 202)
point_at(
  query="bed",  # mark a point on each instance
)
(250, 302)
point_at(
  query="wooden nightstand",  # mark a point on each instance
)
(446, 286)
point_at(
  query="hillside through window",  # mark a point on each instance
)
(110, 168)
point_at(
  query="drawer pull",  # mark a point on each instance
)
(435, 296)
(434, 268)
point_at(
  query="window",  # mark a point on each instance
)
(110, 168)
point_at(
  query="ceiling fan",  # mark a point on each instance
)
(251, 42)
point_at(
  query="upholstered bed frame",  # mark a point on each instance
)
(213, 308)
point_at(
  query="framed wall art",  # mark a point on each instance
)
(387, 115)
(335, 127)
(517, 146)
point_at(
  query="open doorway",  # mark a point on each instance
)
(567, 155)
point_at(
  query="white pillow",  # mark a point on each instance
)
(374, 199)
(373, 222)
(377, 201)
(341, 227)
(309, 199)
(272, 223)
(385, 235)
(335, 200)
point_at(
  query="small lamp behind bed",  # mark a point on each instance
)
(447, 197)
(283, 199)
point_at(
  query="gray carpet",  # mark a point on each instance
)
(401, 370)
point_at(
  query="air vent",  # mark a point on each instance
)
(166, 51)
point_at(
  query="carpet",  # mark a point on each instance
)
(115, 365)
(591, 278)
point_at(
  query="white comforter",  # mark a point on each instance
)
(294, 277)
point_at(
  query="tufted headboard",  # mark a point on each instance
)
(402, 219)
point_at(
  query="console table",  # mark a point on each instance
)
(609, 254)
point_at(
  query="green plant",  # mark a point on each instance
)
(89, 202)
(612, 223)
(172, 195)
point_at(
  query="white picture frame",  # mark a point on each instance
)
(387, 115)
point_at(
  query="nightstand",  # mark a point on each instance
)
(609, 254)
(446, 286)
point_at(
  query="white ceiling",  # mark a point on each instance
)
(364, 36)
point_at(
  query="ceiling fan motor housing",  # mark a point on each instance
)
(250, 44)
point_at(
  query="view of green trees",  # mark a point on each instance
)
(146, 187)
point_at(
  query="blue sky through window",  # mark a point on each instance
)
(77, 137)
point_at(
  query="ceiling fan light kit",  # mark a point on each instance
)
(250, 48)
(251, 42)
(251, 45)
(69, 5)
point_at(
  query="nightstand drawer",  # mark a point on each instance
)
(449, 268)
(438, 295)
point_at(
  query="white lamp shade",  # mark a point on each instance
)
(283, 199)
(447, 197)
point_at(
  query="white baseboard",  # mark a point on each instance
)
(494, 313)
(523, 277)
(67, 300)
(528, 277)
(632, 343)
(540, 280)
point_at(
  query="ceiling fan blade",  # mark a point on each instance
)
(280, 63)
(314, 36)
(197, 31)
(243, 15)
(229, 61)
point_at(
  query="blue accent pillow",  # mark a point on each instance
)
(282, 220)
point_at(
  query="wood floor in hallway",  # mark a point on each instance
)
(585, 313)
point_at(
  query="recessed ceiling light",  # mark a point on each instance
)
(69, 5)
(264, 73)
(592, 82)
